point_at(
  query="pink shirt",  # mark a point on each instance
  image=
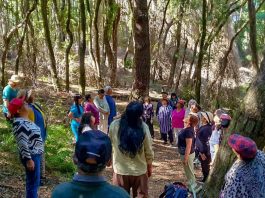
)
(177, 118)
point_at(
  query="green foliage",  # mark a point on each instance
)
(128, 63)
(187, 92)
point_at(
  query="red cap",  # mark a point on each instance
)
(15, 105)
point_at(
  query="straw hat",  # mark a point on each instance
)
(15, 79)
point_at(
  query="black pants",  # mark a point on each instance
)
(169, 135)
(151, 127)
(205, 166)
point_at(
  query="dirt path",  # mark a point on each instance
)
(167, 168)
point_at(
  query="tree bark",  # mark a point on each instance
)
(248, 121)
(193, 59)
(178, 38)
(69, 46)
(82, 47)
(46, 27)
(253, 34)
(141, 50)
(20, 49)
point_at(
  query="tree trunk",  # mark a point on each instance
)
(176, 53)
(46, 27)
(193, 58)
(248, 121)
(198, 69)
(20, 48)
(69, 46)
(253, 34)
(141, 50)
(182, 66)
(82, 47)
(58, 23)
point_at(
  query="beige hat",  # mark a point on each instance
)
(15, 79)
(208, 116)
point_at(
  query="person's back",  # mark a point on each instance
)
(89, 189)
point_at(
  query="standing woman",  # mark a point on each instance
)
(30, 145)
(75, 114)
(186, 148)
(148, 115)
(202, 143)
(178, 115)
(132, 151)
(173, 100)
(103, 107)
(90, 107)
(164, 119)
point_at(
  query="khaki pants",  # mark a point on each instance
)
(139, 184)
(189, 171)
(103, 123)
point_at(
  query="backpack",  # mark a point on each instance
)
(175, 190)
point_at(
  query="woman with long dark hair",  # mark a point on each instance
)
(87, 123)
(75, 114)
(132, 151)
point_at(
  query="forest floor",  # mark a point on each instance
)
(167, 166)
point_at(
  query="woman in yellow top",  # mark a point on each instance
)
(132, 151)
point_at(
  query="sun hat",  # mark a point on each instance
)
(14, 105)
(208, 116)
(15, 79)
(244, 146)
(96, 145)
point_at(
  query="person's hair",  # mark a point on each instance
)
(164, 100)
(101, 91)
(85, 120)
(76, 98)
(131, 133)
(192, 120)
(163, 92)
(173, 94)
(181, 105)
(147, 98)
(87, 97)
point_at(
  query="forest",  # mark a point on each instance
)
(208, 50)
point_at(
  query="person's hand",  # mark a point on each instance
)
(186, 159)
(8, 115)
(203, 156)
(78, 119)
(151, 121)
(30, 165)
(149, 170)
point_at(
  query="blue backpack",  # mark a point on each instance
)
(175, 190)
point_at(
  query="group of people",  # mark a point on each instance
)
(125, 142)
(101, 109)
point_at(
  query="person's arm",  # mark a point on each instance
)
(149, 153)
(97, 105)
(157, 107)
(106, 106)
(187, 150)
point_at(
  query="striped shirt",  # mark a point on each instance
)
(164, 118)
(28, 137)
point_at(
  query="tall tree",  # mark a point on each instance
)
(82, 46)
(69, 46)
(141, 49)
(46, 27)
(253, 34)
(248, 121)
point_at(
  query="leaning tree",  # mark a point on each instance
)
(249, 121)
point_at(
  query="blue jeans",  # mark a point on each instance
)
(33, 177)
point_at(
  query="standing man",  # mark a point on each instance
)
(111, 103)
(104, 111)
(9, 93)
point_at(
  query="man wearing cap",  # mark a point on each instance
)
(92, 154)
(246, 177)
(9, 93)
(111, 103)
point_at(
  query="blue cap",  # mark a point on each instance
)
(94, 145)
